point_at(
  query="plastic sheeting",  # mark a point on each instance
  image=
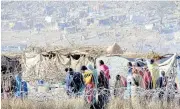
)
(38, 66)
(168, 64)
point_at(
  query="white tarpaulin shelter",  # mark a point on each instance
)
(117, 65)
(168, 65)
(50, 65)
(172, 68)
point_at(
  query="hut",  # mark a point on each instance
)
(114, 49)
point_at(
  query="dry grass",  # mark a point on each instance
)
(73, 103)
(29, 104)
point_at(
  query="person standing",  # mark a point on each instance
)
(154, 69)
(68, 80)
(95, 74)
(104, 68)
(147, 79)
(129, 79)
(161, 81)
(89, 85)
(103, 92)
(119, 83)
(74, 82)
(18, 87)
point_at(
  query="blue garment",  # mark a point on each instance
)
(24, 86)
(24, 89)
(68, 81)
(159, 82)
(18, 86)
(40, 82)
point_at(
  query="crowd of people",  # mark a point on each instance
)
(96, 85)
(92, 82)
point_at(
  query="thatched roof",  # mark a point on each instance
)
(114, 49)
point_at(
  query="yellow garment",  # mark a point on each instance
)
(153, 68)
(11, 25)
(88, 77)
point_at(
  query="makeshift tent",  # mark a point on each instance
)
(117, 65)
(50, 65)
(168, 65)
(172, 68)
(114, 49)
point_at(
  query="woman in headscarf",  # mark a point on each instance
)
(147, 79)
(89, 85)
(95, 74)
(105, 69)
(139, 68)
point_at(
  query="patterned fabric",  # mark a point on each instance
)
(88, 77)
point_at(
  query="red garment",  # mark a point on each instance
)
(105, 69)
(147, 79)
(89, 93)
(124, 81)
(140, 71)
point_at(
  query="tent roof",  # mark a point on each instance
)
(92, 51)
(114, 49)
